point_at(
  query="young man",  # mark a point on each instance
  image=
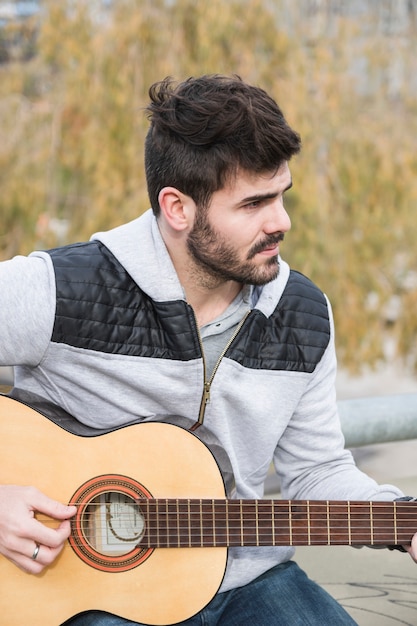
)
(190, 310)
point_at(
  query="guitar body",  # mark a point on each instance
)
(150, 537)
(165, 585)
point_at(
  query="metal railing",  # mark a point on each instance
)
(379, 419)
(6, 375)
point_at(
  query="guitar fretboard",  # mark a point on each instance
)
(223, 523)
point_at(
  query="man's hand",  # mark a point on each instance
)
(412, 550)
(21, 532)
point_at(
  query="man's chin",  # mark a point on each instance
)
(268, 275)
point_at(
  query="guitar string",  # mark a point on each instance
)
(264, 509)
(220, 523)
(242, 509)
(297, 540)
(267, 504)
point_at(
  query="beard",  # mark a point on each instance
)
(216, 260)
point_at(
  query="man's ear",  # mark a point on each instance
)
(177, 209)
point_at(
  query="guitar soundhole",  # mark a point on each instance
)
(108, 526)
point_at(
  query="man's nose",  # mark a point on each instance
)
(278, 219)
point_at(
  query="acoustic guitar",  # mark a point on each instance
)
(153, 525)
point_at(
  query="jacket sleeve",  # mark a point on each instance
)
(310, 458)
(27, 309)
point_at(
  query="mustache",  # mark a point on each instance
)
(267, 242)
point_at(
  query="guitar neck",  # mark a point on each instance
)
(225, 523)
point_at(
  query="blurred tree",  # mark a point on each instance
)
(72, 128)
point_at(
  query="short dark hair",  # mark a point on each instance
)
(204, 130)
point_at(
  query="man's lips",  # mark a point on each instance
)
(268, 248)
(271, 251)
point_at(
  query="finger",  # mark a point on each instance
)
(46, 534)
(412, 549)
(33, 557)
(50, 537)
(43, 555)
(23, 550)
(412, 553)
(39, 502)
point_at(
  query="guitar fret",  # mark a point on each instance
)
(201, 525)
(308, 524)
(146, 518)
(328, 522)
(242, 542)
(157, 525)
(290, 520)
(349, 525)
(167, 522)
(178, 524)
(371, 521)
(273, 521)
(189, 523)
(257, 522)
(227, 523)
(395, 523)
(213, 513)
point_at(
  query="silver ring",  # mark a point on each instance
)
(35, 552)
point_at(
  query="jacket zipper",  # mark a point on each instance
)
(207, 383)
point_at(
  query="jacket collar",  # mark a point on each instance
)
(139, 244)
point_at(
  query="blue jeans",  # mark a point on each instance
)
(283, 596)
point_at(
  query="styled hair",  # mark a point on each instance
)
(204, 130)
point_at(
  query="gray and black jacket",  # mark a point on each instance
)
(103, 329)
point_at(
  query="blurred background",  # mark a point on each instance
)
(74, 78)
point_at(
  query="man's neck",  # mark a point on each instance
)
(208, 296)
(208, 305)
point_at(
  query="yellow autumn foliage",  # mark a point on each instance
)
(72, 128)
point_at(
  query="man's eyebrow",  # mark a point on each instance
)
(259, 197)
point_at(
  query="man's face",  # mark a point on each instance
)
(238, 237)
